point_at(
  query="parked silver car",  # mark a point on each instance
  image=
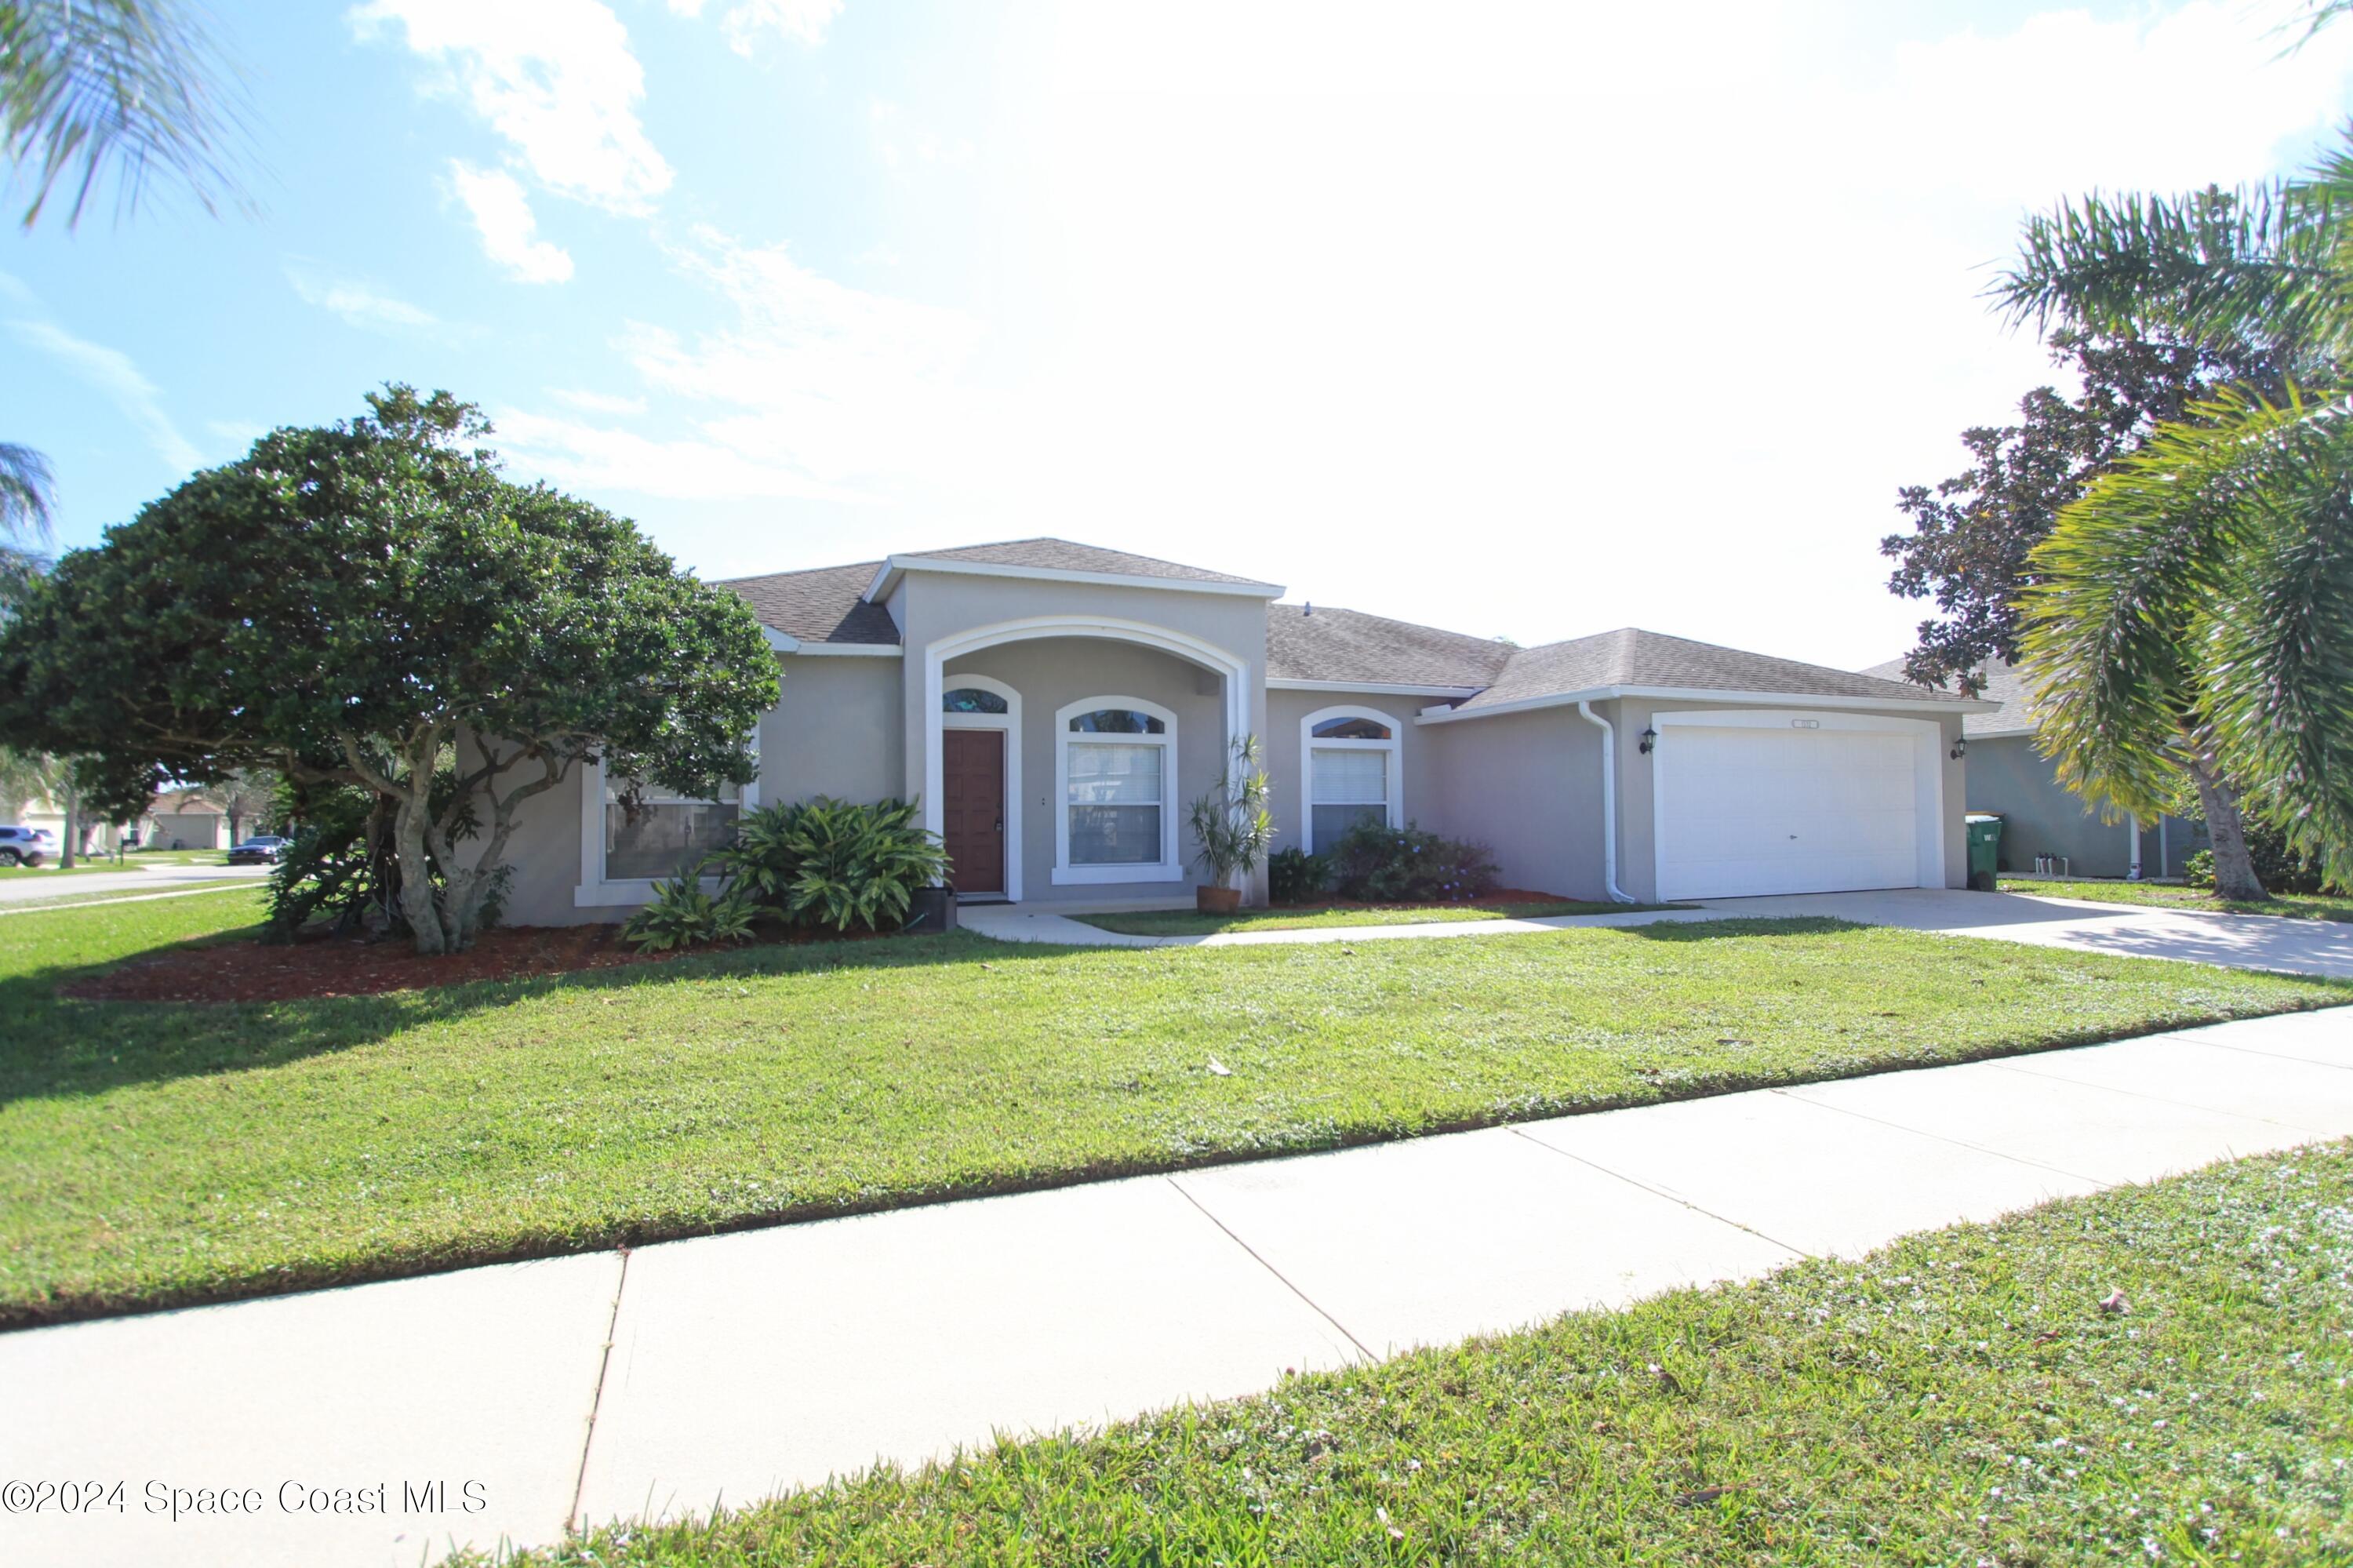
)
(27, 846)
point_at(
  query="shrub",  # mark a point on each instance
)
(2281, 869)
(683, 914)
(1231, 823)
(1381, 865)
(1294, 876)
(825, 861)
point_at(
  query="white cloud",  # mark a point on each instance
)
(596, 402)
(502, 217)
(361, 305)
(556, 77)
(814, 389)
(112, 373)
(801, 22)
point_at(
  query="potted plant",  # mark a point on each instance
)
(1233, 829)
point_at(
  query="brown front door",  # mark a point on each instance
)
(972, 775)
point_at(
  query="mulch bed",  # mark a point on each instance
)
(1501, 896)
(338, 966)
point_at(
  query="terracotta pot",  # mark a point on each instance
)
(1217, 900)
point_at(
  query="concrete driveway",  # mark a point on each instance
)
(2240, 941)
(36, 886)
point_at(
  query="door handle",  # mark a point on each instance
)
(1001, 824)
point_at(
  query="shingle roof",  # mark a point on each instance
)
(1632, 657)
(820, 606)
(1062, 555)
(1319, 643)
(2003, 685)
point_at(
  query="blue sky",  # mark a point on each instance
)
(1508, 318)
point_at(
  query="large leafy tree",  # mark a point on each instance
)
(2193, 608)
(1973, 535)
(362, 602)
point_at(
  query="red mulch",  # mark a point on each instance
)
(341, 966)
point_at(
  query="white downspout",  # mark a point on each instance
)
(2133, 872)
(1609, 803)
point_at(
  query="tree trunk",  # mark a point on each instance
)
(73, 825)
(417, 905)
(2226, 828)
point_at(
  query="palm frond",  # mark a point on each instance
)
(2125, 576)
(2265, 265)
(25, 485)
(2275, 652)
(93, 91)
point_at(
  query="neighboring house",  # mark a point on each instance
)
(2039, 815)
(1054, 707)
(96, 837)
(184, 818)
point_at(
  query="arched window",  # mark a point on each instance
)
(972, 700)
(1350, 757)
(1115, 767)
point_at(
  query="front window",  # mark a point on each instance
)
(1116, 758)
(1115, 802)
(1352, 772)
(650, 833)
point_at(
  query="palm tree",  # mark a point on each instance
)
(2196, 611)
(93, 91)
(120, 90)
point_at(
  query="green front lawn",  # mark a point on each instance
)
(158, 1153)
(2173, 896)
(1191, 922)
(1957, 1398)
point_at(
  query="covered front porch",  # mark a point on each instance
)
(1057, 758)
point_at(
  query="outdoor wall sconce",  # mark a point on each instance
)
(1960, 748)
(1650, 739)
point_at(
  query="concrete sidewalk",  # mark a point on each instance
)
(742, 1364)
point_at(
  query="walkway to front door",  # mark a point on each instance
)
(972, 797)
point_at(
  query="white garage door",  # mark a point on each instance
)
(1744, 811)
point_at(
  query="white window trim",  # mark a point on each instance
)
(1010, 721)
(1308, 744)
(1169, 867)
(595, 891)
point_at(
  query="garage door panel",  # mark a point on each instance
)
(1762, 810)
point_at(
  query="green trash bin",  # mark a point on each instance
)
(1985, 850)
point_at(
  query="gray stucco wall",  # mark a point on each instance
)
(1280, 743)
(1052, 673)
(545, 854)
(835, 730)
(2040, 816)
(1637, 841)
(1528, 785)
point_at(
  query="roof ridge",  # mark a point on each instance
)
(794, 572)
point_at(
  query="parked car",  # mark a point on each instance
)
(267, 849)
(27, 846)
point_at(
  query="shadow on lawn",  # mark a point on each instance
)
(58, 1045)
(1747, 926)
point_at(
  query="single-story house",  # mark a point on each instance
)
(1055, 706)
(2010, 778)
(184, 818)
